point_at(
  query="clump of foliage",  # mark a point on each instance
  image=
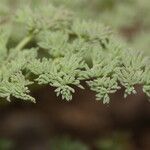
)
(6, 144)
(66, 143)
(63, 51)
(117, 141)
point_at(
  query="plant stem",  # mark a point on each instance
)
(24, 42)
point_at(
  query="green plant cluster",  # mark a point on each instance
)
(64, 51)
(66, 143)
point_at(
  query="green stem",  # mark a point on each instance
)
(24, 42)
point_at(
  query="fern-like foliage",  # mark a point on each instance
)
(63, 51)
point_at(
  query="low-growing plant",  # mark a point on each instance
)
(6, 144)
(51, 46)
(66, 143)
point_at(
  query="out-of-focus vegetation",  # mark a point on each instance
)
(118, 141)
(66, 143)
(129, 17)
(6, 144)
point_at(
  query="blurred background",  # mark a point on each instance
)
(83, 123)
